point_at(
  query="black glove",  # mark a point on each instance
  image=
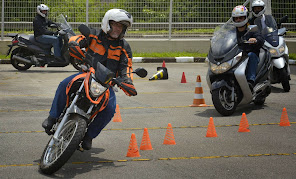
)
(127, 86)
(56, 33)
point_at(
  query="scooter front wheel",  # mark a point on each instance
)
(285, 79)
(58, 151)
(222, 100)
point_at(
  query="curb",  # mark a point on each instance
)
(153, 60)
(166, 59)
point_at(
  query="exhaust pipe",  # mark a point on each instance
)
(21, 59)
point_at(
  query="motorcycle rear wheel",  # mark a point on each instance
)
(53, 158)
(17, 64)
(221, 98)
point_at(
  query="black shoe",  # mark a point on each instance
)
(86, 142)
(48, 123)
(59, 59)
(251, 85)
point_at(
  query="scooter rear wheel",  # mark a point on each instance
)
(21, 66)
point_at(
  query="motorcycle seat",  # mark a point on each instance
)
(41, 45)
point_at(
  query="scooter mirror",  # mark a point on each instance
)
(84, 30)
(252, 28)
(284, 19)
(141, 72)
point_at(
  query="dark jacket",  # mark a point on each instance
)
(40, 26)
(116, 55)
(250, 47)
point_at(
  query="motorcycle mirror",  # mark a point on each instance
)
(66, 17)
(103, 74)
(141, 72)
(84, 30)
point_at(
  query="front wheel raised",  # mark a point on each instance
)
(58, 152)
(222, 100)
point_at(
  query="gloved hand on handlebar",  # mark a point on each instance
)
(127, 86)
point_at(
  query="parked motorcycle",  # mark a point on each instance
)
(226, 74)
(87, 94)
(275, 42)
(30, 52)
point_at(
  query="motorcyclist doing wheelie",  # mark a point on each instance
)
(256, 41)
(108, 47)
(42, 34)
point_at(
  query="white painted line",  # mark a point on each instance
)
(137, 59)
(184, 59)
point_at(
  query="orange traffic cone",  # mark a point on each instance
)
(183, 79)
(117, 115)
(146, 144)
(133, 150)
(284, 118)
(244, 125)
(169, 138)
(163, 63)
(211, 132)
(198, 100)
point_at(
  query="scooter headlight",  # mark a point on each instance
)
(96, 89)
(282, 49)
(273, 52)
(217, 69)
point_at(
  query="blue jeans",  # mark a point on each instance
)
(252, 66)
(99, 122)
(56, 42)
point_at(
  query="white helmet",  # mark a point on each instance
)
(240, 11)
(258, 3)
(42, 7)
(117, 15)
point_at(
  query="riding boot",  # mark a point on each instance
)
(48, 123)
(86, 142)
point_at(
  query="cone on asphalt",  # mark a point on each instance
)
(163, 63)
(133, 150)
(284, 118)
(117, 115)
(146, 143)
(211, 131)
(198, 100)
(244, 125)
(162, 74)
(183, 79)
(169, 138)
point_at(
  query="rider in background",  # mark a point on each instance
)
(108, 47)
(240, 21)
(259, 18)
(41, 32)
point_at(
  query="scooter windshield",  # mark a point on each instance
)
(224, 39)
(271, 36)
(64, 25)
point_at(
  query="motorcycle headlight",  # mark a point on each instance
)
(217, 69)
(96, 89)
(273, 52)
(282, 49)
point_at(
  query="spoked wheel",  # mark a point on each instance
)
(285, 79)
(222, 100)
(76, 63)
(58, 152)
(21, 66)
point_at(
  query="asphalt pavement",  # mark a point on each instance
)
(267, 151)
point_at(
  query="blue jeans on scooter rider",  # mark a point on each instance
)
(42, 34)
(240, 21)
(108, 47)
